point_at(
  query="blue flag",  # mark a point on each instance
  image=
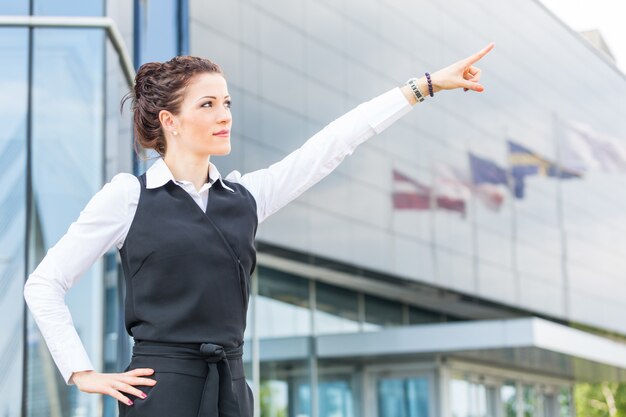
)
(485, 171)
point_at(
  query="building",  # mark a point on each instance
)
(435, 291)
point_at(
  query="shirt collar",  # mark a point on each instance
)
(159, 174)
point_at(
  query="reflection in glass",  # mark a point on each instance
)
(274, 398)
(14, 7)
(508, 395)
(282, 304)
(285, 389)
(492, 402)
(13, 115)
(530, 402)
(460, 402)
(478, 393)
(335, 396)
(420, 316)
(380, 312)
(337, 309)
(158, 30)
(469, 399)
(67, 126)
(565, 402)
(403, 397)
(68, 8)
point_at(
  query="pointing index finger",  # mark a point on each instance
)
(480, 54)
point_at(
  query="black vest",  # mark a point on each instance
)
(188, 272)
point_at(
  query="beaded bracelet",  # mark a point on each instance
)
(430, 85)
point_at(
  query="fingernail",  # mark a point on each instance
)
(143, 395)
(130, 402)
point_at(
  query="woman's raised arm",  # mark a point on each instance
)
(283, 181)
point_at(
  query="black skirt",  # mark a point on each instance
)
(193, 380)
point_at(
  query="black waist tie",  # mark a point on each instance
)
(218, 398)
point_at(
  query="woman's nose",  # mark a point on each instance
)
(224, 116)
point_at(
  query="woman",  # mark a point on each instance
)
(187, 258)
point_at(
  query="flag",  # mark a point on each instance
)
(450, 181)
(525, 162)
(582, 148)
(488, 181)
(410, 194)
(485, 171)
(491, 195)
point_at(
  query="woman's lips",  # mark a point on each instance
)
(223, 133)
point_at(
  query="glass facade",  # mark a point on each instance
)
(59, 83)
(507, 398)
(538, 252)
(160, 30)
(13, 213)
(290, 309)
(67, 71)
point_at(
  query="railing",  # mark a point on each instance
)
(106, 23)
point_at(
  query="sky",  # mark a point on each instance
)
(608, 16)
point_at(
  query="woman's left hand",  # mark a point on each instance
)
(461, 74)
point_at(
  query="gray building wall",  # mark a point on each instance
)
(293, 67)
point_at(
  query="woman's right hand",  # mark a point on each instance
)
(114, 384)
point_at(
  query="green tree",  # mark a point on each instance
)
(606, 399)
(267, 408)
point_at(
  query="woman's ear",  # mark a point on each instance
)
(167, 120)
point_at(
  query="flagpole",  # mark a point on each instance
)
(432, 207)
(474, 221)
(474, 227)
(561, 212)
(514, 239)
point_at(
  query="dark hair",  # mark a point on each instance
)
(160, 86)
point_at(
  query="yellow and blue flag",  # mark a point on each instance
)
(524, 162)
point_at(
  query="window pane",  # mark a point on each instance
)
(381, 313)
(530, 402)
(508, 394)
(69, 8)
(282, 304)
(13, 112)
(403, 397)
(67, 141)
(460, 398)
(335, 396)
(420, 316)
(14, 7)
(565, 402)
(157, 30)
(337, 309)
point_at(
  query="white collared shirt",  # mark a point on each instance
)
(106, 219)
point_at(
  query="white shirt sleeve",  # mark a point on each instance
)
(103, 222)
(283, 181)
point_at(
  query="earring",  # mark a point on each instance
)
(175, 133)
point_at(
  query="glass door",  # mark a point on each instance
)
(401, 395)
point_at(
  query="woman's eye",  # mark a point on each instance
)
(210, 104)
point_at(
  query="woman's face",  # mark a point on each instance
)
(204, 121)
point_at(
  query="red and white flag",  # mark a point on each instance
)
(452, 183)
(410, 194)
